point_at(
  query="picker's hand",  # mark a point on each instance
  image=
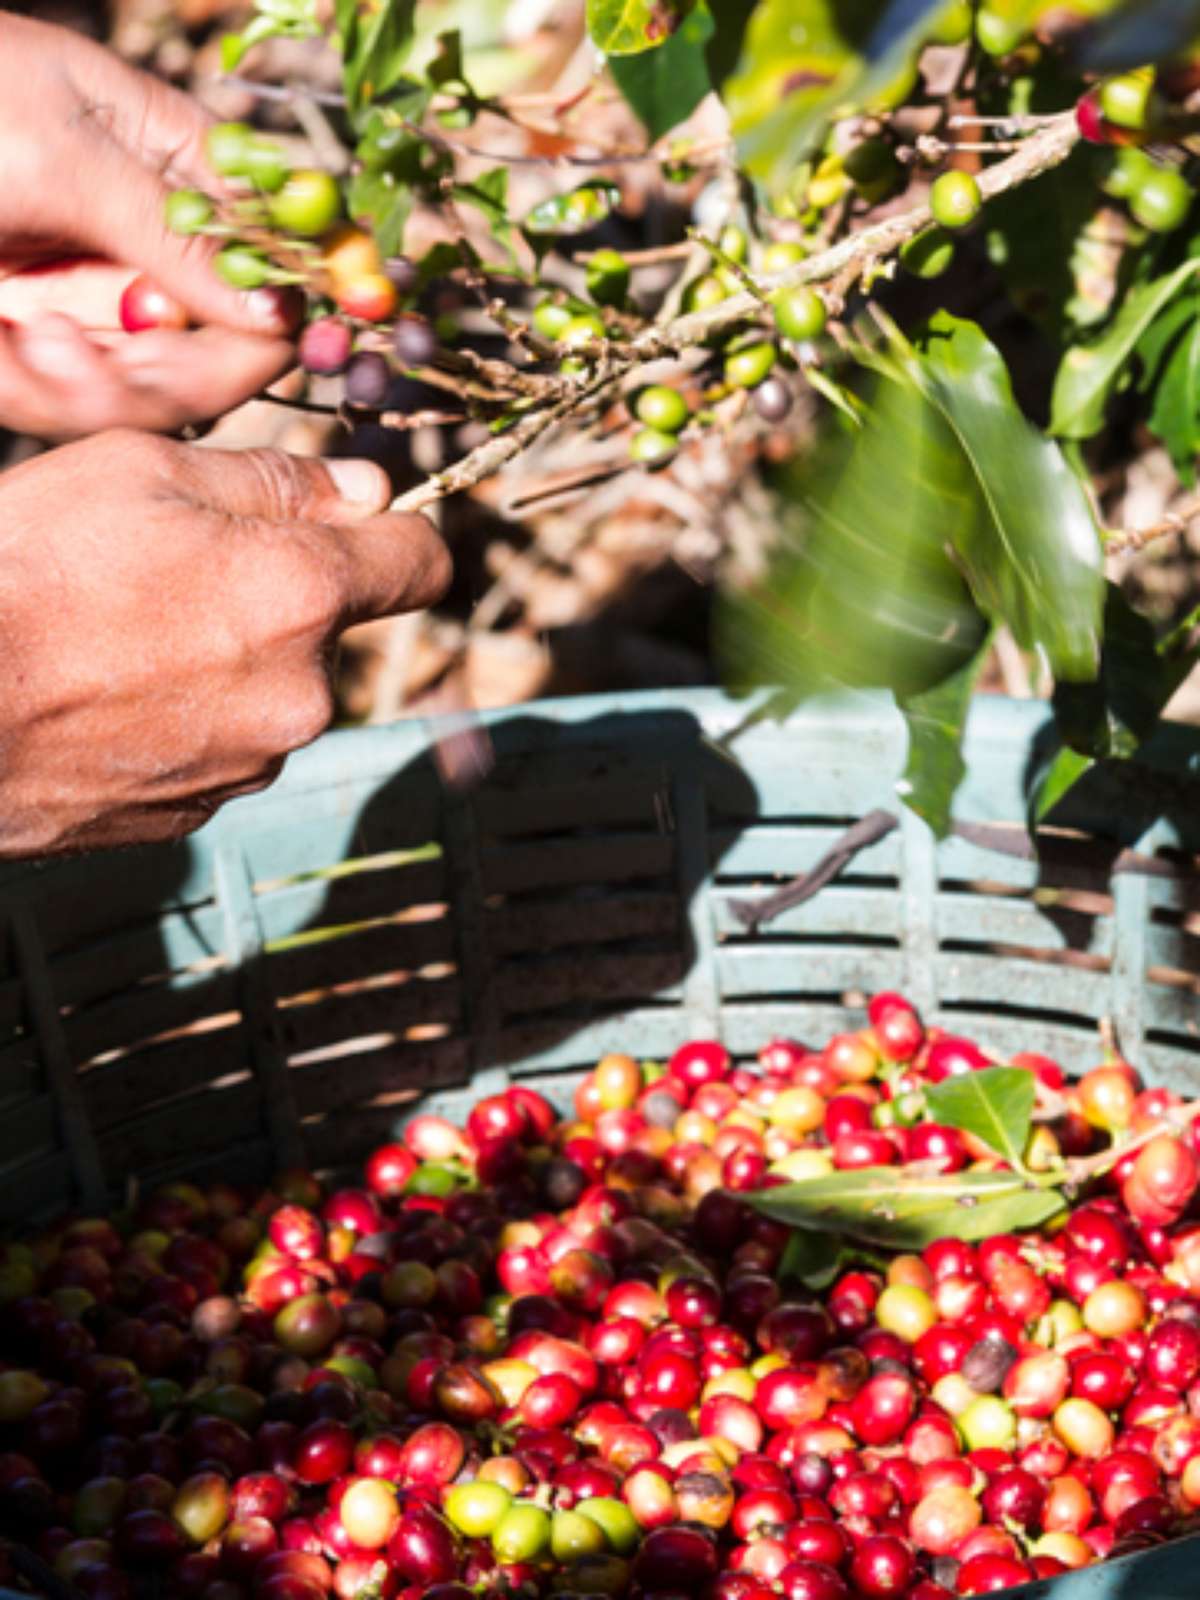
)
(167, 619)
(89, 150)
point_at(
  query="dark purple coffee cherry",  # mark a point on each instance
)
(404, 273)
(367, 380)
(413, 341)
(772, 399)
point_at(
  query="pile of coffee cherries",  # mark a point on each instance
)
(540, 1357)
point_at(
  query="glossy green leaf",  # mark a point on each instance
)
(862, 592)
(581, 209)
(886, 1206)
(1056, 779)
(1175, 415)
(665, 86)
(935, 767)
(805, 61)
(376, 36)
(1089, 373)
(378, 197)
(627, 27)
(996, 1105)
(1027, 539)
(813, 1259)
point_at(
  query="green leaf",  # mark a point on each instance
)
(1027, 539)
(862, 592)
(488, 194)
(885, 1206)
(1089, 373)
(996, 1105)
(665, 86)
(935, 719)
(1175, 415)
(377, 197)
(446, 64)
(376, 38)
(1065, 769)
(814, 1259)
(583, 208)
(806, 61)
(627, 27)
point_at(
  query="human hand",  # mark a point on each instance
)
(89, 150)
(167, 619)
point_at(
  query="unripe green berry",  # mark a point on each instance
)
(307, 205)
(616, 1520)
(573, 367)
(869, 161)
(704, 293)
(477, 1508)
(955, 199)
(243, 267)
(1162, 200)
(799, 312)
(228, 146)
(997, 35)
(266, 166)
(953, 24)
(662, 408)
(607, 277)
(732, 242)
(1128, 170)
(748, 366)
(188, 211)
(581, 329)
(988, 1424)
(573, 1535)
(549, 319)
(522, 1534)
(1129, 100)
(781, 255)
(929, 254)
(649, 445)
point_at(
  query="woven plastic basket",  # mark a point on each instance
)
(282, 986)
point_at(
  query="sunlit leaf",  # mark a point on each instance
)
(886, 1206)
(627, 27)
(996, 1105)
(665, 86)
(376, 39)
(575, 212)
(1089, 373)
(1175, 415)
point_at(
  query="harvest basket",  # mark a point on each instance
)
(282, 986)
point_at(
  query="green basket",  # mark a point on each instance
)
(284, 985)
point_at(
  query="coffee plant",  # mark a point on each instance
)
(884, 161)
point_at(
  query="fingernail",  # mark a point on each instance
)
(271, 309)
(361, 482)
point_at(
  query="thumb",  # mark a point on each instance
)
(271, 486)
(121, 215)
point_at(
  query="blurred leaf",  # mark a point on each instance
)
(805, 61)
(386, 203)
(996, 1105)
(813, 1259)
(1089, 373)
(575, 212)
(1060, 775)
(627, 27)
(1138, 32)
(376, 38)
(862, 592)
(665, 86)
(446, 64)
(935, 719)
(883, 1205)
(1027, 538)
(1175, 415)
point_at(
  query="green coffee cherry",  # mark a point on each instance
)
(869, 162)
(953, 24)
(781, 255)
(704, 292)
(732, 242)
(581, 329)
(266, 166)
(799, 313)
(607, 277)
(997, 35)
(549, 319)
(573, 1535)
(432, 1178)
(955, 199)
(243, 267)
(650, 445)
(1162, 200)
(477, 1508)
(307, 205)
(929, 254)
(619, 1525)
(188, 211)
(828, 184)
(573, 367)
(988, 1424)
(747, 367)
(1127, 171)
(1129, 101)
(228, 146)
(662, 408)
(522, 1534)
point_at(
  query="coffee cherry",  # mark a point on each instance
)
(828, 184)
(370, 299)
(928, 254)
(1128, 101)
(997, 35)
(325, 346)
(522, 1534)
(662, 408)
(1129, 169)
(243, 267)
(607, 277)
(477, 1508)
(228, 146)
(732, 242)
(781, 255)
(368, 378)
(413, 341)
(955, 199)
(144, 306)
(650, 445)
(266, 166)
(307, 205)
(581, 329)
(772, 399)
(952, 24)
(403, 274)
(747, 367)
(799, 312)
(1162, 200)
(188, 211)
